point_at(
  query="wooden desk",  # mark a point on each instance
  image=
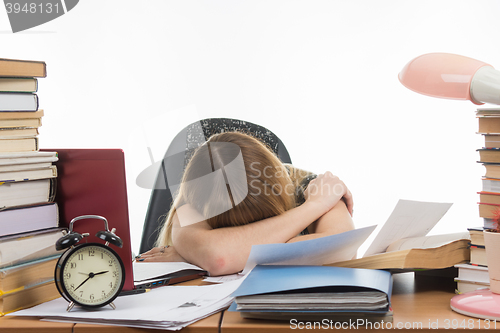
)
(10, 324)
(32, 325)
(207, 325)
(421, 303)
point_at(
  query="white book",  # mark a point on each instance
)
(27, 219)
(18, 102)
(26, 193)
(15, 158)
(19, 167)
(473, 273)
(465, 286)
(29, 246)
(23, 175)
(491, 185)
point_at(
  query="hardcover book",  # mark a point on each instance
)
(18, 84)
(22, 68)
(18, 102)
(428, 252)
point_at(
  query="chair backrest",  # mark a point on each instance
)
(186, 141)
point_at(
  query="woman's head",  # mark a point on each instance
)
(233, 179)
(253, 186)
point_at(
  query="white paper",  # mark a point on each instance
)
(223, 278)
(171, 307)
(152, 270)
(319, 251)
(408, 219)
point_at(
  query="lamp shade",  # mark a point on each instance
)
(452, 76)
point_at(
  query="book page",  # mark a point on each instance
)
(408, 219)
(426, 242)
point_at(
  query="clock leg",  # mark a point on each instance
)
(112, 305)
(70, 306)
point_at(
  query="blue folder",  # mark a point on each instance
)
(264, 279)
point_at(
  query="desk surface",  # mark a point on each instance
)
(422, 303)
(11, 324)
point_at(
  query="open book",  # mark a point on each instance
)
(427, 252)
(409, 219)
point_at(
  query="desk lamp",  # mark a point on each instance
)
(454, 76)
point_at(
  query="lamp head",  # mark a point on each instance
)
(452, 76)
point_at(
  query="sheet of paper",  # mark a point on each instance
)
(317, 251)
(170, 306)
(150, 270)
(223, 278)
(408, 219)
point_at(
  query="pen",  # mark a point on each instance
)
(133, 292)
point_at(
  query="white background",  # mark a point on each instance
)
(321, 74)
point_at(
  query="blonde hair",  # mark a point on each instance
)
(267, 180)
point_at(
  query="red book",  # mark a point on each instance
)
(92, 182)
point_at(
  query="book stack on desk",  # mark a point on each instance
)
(315, 292)
(28, 213)
(20, 116)
(26, 174)
(489, 156)
(474, 275)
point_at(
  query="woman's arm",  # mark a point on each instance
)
(335, 221)
(226, 250)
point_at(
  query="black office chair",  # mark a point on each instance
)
(178, 154)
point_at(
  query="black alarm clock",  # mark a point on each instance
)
(90, 275)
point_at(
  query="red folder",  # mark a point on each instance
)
(92, 182)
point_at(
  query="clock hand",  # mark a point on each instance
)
(91, 275)
(84, 282)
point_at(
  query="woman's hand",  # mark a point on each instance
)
(162, 253)
(328, 190)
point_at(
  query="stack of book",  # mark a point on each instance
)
(28, 213)
(474, 275)
(489, 156)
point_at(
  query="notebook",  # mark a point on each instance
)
(307, 292)
(92, 182)
(148, 275)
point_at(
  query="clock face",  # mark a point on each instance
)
(91, 275)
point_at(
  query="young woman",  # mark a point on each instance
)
(236, 193)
